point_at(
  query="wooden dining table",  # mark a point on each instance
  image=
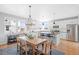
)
(35, 42)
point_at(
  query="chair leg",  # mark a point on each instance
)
(42, 46)
(20, 50)
(17, 48)
(50, 48)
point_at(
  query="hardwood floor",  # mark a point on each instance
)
(6, 46)
(68, 47)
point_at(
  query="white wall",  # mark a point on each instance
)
(3, 32)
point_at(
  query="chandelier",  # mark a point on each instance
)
(30, 20)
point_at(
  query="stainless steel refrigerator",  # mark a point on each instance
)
(73, 32)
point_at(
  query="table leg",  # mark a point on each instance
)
(45, 48)
(33, 49)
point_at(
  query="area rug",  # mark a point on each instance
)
(56, 52)
(9, 51)
(13, 51)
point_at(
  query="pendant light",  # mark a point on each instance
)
(54, 18)
(29, 12)
(29, 18)
(54, 22)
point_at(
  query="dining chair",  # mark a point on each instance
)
(23, 47)
(54, 42)
(18, 45)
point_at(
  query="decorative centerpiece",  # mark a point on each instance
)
(30, 36)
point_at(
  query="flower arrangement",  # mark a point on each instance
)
(30, 36)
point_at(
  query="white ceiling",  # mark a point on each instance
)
(41, 11)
